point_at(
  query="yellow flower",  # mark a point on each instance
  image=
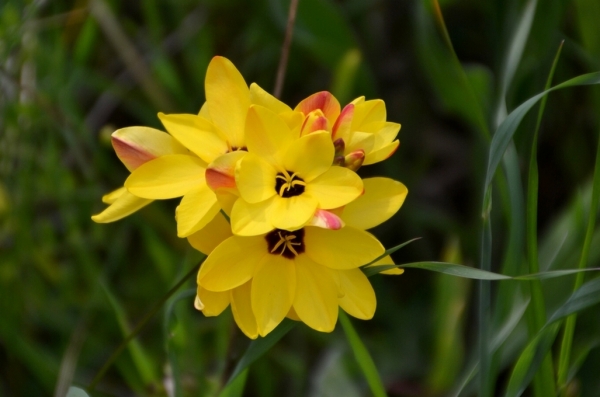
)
(360, 131)
(295, 273)
(135, 146)
(216, 133)
(365, 133)
(285, 178)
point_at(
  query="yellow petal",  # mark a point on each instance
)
(204, 112)
(381, 154)
(125, 205)
(346, 248)
(324, 101)
(360, 141)
(359, 298)
(382, 198)
(258, 96)
(213, 303)
(387, 260)
(335, 187)
(310, 156)
(209, 237)
(368, 112)
(387, 134)
(292, 315)
(293, 120)
(316, 301)
(167, 177)
(267, 134)
(228, 99)
(220, 174)
(195, 133)
(273, 290)
(315, 121)
(137, 145)
(291, 213)
(226, 200)
(241, 308)
(197, 208)
(232, 263)
(111, 197)
(255, 178)
(251, 219)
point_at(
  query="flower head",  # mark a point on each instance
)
(305, 272)
(285, 178)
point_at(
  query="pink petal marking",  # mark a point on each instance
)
(343, 122)
(324, 101)
(326, 220)
(219, 178)
(131, 155)
(314, 123)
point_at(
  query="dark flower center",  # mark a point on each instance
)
(285, 243)
(287, 184)
(236, 149)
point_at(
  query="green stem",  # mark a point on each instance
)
(155, 308)
(567, 340)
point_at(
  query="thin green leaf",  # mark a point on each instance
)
(389, 252)
(531, 358)
(139, 356)
(362, 357)
(455, 269)
(235, 388)
(260, 346)
(506, 130)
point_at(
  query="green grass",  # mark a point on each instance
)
(501, 179)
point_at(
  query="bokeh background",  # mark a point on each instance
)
(71, 72)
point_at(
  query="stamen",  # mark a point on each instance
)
(286, 243)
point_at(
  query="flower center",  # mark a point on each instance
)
(285, 243)
(237, 149)
(287, 184)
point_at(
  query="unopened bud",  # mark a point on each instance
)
(354, 160)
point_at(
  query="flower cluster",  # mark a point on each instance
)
(272, 196)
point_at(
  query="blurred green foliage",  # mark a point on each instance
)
(70, 290)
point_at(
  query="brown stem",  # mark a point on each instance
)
(285, 49)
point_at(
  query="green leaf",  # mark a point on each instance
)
(362, 357)
(76, 392)
(531, 358)
(457, 270)
(260, 346)
(235, 388)
(386, 253)
(506, 130)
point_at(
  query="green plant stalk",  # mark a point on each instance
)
(485, 299)
(362, 357)
(157, 306)
(569, 330)
(536, 316)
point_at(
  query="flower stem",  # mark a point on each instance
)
(285, 49)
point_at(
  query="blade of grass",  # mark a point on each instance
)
(138, 328)
(569, 330)
(463, 271)
(362, 357)
(544, 380)
(531, 358)
(260, 346)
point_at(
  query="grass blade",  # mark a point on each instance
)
(362, 357)
(567, 341)
(531, 358)
(259, 347)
